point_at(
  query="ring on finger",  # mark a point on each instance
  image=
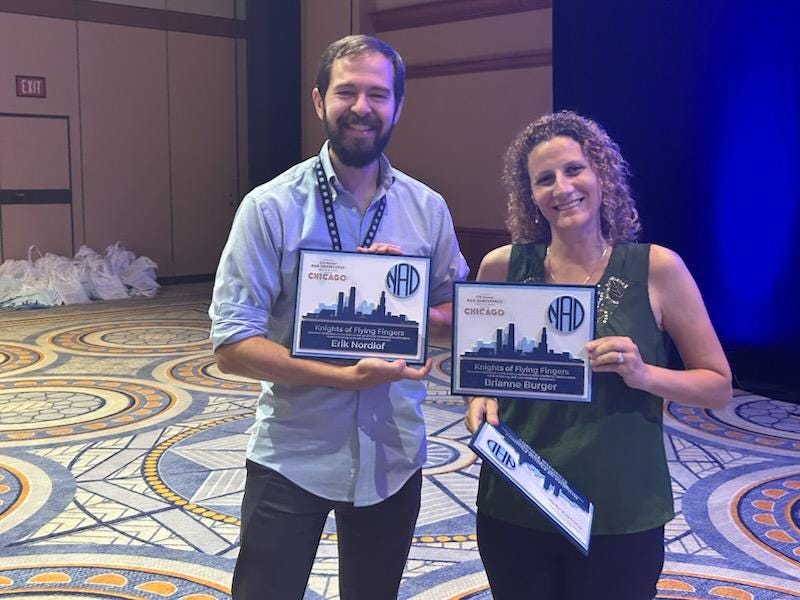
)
(620, 358)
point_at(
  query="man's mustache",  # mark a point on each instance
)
(353, 119)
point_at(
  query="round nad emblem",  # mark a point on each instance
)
(402, 280)
(565, 314)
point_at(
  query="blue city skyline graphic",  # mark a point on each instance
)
(503, 449)
(346, 309)
(552, 482)
(505, 346)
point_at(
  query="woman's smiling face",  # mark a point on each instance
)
(564, 185)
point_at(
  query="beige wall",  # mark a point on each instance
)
(47, 48)
(322, 21)
(125, 135)
(156, 126)
(455, 128)
(146, 170)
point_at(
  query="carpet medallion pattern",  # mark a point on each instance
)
(122, 452)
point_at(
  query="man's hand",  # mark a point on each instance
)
(380, 248)
(372, 372)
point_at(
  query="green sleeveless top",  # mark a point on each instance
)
(612, 449)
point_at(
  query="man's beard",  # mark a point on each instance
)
(357, 152)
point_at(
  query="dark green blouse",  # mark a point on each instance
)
(612, 450)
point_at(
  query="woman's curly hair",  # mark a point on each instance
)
(618, 215)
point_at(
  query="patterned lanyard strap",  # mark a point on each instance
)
(330, 218)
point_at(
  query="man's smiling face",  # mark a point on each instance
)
(358, 111)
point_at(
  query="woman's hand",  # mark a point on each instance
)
(617, 354)
(480, 409)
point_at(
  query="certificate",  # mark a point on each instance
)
(523, 340)
(354, 305)
(537, 481)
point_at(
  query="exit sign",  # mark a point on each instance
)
(31, 87)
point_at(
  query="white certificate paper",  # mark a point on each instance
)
(523, 340)
(355, 305)
(538, 482)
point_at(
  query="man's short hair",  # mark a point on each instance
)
(353, 45)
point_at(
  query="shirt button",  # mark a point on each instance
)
(352, 473)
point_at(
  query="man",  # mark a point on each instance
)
(347, 438)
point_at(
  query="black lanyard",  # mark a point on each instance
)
(330, 218)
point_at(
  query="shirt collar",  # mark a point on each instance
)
(385, 169)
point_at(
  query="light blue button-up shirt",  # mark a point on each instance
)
(358, 447)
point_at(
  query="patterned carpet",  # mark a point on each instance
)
(121, 471)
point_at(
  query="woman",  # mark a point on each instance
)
(573, 222)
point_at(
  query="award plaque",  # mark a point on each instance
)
(540, 484)
(355, 305)
(523, 340)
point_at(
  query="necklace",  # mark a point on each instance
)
(549, 264)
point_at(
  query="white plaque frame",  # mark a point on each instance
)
(538, 482)
(354, 305)
(523, 340)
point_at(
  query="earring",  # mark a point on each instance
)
(535, 215)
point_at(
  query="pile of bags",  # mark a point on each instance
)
(52, 280)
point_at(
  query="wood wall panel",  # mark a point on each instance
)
(521, 32)
(494, 62)
(34, 153)
(241, 109)
(47, 226)
(48, 48)
(213, 8)
(41, 47)
(407, 14)
(117, 109)
(323, 21)
(125, 130)
(478, 72)
(455, 130)
(203, 146)
(154, 4)
(475, 243)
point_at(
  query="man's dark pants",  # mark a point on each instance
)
(281, 528)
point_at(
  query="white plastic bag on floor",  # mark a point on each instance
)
(103, 283)
(70, 290)
(26, 288)
(14, 270)
(30, 295)
(63, 276)
(119, 258)
(140, 276)
(51, 279)
(12, 274)
(83, 259)
(85, 253)
(57, 274)
(22, 286)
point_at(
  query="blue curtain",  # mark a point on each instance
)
(703, 97)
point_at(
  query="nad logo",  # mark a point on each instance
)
(501, 454)
(402, 280)
(565, 314)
